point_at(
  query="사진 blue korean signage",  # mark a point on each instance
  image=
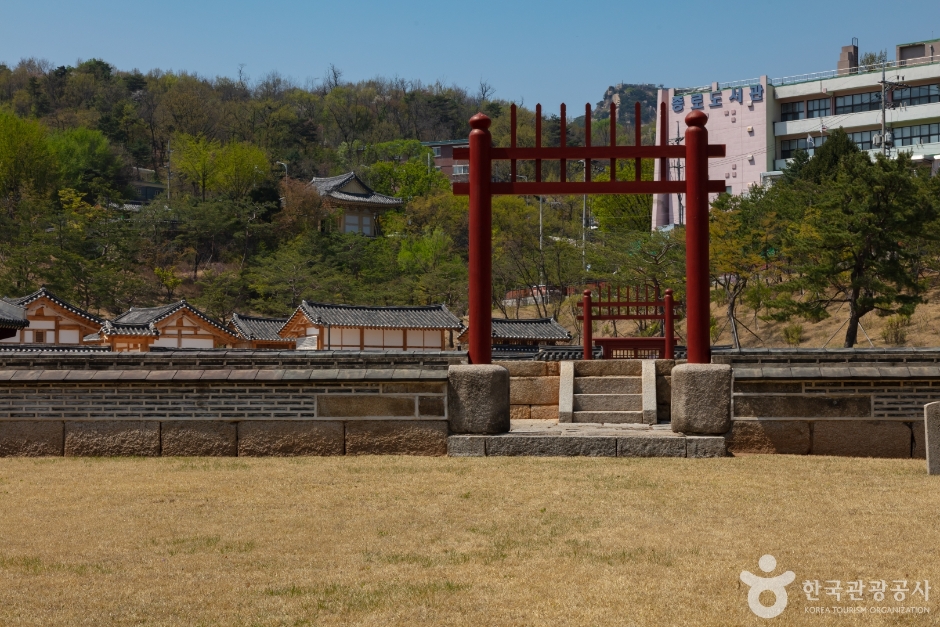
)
(715, 98)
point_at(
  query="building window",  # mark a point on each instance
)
(437, 151)
(924, 94)
(856, 103)
(39, 337)
(461, 169)
(862, 139)
(790, 111)
(818, 108)
(789, 147)
(358, 224)
(917, 134)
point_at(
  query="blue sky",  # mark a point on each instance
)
(545, 52)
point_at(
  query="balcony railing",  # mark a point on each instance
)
(869, 69)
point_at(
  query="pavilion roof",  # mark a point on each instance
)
(349, 189)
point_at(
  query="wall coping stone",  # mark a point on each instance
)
(230, 359)
(14, 377)
(840, 371)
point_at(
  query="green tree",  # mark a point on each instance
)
(26, 162)
(87, 163)
(199, 160)
(241, 167)
(854, 238)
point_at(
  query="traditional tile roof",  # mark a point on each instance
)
(23, 301)
(113, 329)
(53, 348)
(142, 320)
(12, 316)
(428, 317)
(349, 189)
(258, 328)
(545, 329)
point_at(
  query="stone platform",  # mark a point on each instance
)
(547, 438)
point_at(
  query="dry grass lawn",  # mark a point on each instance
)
(418, 541)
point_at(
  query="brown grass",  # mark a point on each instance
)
(417, 541)
(924, 328)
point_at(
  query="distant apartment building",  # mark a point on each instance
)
(763, 122)
(457, 170)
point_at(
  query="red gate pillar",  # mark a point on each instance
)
(587, 330)
(480, 270)
(696, 238)
(668, 330)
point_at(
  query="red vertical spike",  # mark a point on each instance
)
(538, 141)
(587, 140)
(613, 139)
(638, 128)
(587, 124)
(512, 141)
(564, 135)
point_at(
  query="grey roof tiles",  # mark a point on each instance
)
(427, 317)
(258, 328)
(545, 329)
(23, 301)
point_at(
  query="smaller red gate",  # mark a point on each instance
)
(635, 309)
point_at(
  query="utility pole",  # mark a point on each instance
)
(168, 153)
(677, 166)
(587, 164)
(886, 88)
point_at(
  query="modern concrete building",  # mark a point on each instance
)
(764, 122)
(457, 170)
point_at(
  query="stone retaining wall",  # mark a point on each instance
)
(235, 404)
(533, 389)
(864, 403)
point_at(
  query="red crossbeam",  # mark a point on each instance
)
(592, 187)
(577, 153)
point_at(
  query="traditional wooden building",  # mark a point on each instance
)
(260, 333)
(179, 325)
(12, 319)
(525, 332)
(52, 320)
(320, 326)
(357, 205)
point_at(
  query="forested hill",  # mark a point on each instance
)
(240, 229)
(625, 95)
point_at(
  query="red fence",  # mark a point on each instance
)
(620, 306)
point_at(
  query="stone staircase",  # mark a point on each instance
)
(607, 392)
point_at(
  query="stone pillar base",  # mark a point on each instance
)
(932, 441)
(701, 399)
(478, 399)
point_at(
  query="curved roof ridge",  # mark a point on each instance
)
(44, 291)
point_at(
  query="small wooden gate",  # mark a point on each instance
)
(620, 306)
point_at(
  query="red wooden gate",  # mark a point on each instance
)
(481, 188)
(621, 307)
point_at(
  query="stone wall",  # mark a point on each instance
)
(224, 403)
(865, 403)
(533, 389)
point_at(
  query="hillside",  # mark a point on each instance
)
(624, 95)
(923, 330)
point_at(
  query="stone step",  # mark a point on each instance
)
(608, 385)
(608, 402)
(609, 417)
